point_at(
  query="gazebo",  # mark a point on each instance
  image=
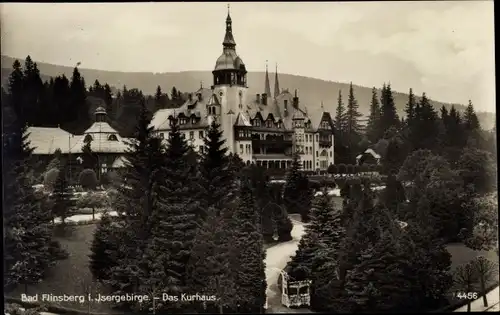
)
(294, 293)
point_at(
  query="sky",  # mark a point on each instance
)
(443, 48)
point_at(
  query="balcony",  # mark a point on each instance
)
(278, 141)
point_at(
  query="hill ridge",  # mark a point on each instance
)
(312, 91)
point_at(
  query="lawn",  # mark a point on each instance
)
(69, 276)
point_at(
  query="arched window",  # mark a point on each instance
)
(112, 137)
(88, 138)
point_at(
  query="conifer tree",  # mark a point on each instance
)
(353, 126)
(426, 130)
(389, 117)
(29, 248)
(158, 98)
(88, 156)
(104, 245)
(78, 97)
(410, 108)
(471, 122)
(249, 266)
(177, 216)
(136, 202)
(297, 194)
(216, 177)
(373, 132)
(60, 196)
(340, 120)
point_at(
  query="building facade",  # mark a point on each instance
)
(265, 129)
(105, 142)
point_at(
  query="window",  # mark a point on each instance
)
(162, 136)
(113, 137)
(317, 138)
(286, 104)
(200, 134)
(193, 121)
(169, 135)
(330, 153)
(241, 148)
(317, 154)
(191, 135)
(88, 138)
(200, 149)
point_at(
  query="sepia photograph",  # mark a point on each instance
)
(249, 157)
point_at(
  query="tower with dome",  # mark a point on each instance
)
(265, 129)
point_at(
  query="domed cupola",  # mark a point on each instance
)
(229, 68)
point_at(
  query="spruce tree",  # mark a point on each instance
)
(410, 108)
(136, 203)
(373, 128)
(60, 196)
(29, 248)
(78, 97)
(297, 194)
(249, 266)
(340, 121)
(353, 126)
(88, 156)
(210, 262)
(471, 123)
(103, 247)
(215, 174)
(178, 215)
(389, 117)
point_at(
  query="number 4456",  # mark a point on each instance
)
(467, 295)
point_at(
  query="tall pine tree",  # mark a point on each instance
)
(373, 129)
(389, 117)
(353, 126)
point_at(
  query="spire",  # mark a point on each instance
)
(322, 107)
(267, 86)
(228, 38)
(276, 83)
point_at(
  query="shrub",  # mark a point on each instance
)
(88, 179)
(350, 169)
(341, 169)
(332, 169)
(356, 169)
(50, 178)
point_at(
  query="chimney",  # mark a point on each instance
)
(264, 99)
(257, 98)
(296, 100)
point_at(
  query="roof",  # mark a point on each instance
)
(280, 109)
(103, 127)
(377, 150)
(46, 140)
(102, 143)
(229, 60)
(194, 107)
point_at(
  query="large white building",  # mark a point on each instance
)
(263, 129)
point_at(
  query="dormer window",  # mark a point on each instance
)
(279, 124)
(269, 123)
(199, 96)
(88, 138)
(190, 96)
(285, 104)
(193, 120)
(256, 122)
(112, 137)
